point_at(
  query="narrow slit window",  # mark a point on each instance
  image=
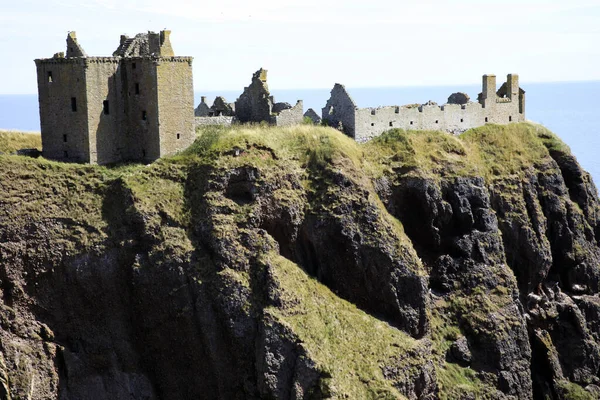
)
(105, 107)
(510, 118)
(143, 153)
(144, 115)
(74, 104)
(137, 88)
(486, 119)
(50, 76)
(65, 138)
(391, 123)
(178, 136)
(462, 120)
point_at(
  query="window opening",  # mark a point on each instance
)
(73, 104)
(144, 115)
(137, 88)
(105, 107)
(50, 76)
(65, 138)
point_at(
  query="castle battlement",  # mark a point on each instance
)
(136, 105)
(501, 106)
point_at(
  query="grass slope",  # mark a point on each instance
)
(11, 141)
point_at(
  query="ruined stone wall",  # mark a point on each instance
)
(220, 120)
(290, 116)
(255, 103)
(104, 109)
(64, 131)
(499, 107)
(175, 104)
(340, 109)
(453, 118)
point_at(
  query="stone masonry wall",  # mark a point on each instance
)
(175, 104)
(290, 116)
(366, 123)
(121, 108)
(340, 110)
(220, 120)
(64, 131)
(103, 85)
(140, 96)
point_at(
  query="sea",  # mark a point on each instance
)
(569, 109)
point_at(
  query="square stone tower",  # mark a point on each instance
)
(137, 105)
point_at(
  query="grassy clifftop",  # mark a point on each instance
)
(11, 141)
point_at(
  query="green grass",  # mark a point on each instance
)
(11, 141)
(572, 391)
(306, 144)
(489, 151)
(349, 344)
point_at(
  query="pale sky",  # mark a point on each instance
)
(316, 43)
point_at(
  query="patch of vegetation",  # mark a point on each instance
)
(431, 153)
(502, 150)
(302, 143)
(349, 344)
(11, 141)
(572, 391)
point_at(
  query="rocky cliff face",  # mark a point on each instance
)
(295, 264)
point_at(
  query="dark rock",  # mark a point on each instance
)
(459, 98)
(459, 351)
(33, 153)
(278, 107)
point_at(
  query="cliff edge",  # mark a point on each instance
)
(294, 263)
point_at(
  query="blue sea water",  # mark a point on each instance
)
(570, 109)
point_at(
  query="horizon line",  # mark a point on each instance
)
(370, 87)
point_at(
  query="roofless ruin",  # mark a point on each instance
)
(138, 105)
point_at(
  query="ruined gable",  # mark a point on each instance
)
(74, 49)
(221, 107)
(314, 117)
(203, 110)
(255, 103)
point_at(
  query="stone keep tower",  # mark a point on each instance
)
(137, 105)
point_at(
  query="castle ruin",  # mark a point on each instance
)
(137, 105)
(255, 105)
(501, 106)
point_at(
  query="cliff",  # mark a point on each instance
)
(293, 263)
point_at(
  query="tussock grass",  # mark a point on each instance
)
(488, 151)
(351, 345)
(314, 145)
(11, 141)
